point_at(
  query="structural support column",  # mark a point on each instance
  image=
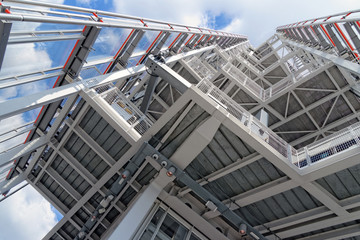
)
(148, 93)
(139, 210)
(196, 142)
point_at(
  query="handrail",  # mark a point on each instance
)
(141, 22)
(303, 157)
(257, 91)
(329, 32)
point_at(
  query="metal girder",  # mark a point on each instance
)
(149, 195)
(175, 48)
(24, 80)
(182, 176)
(356, 89)
(166, 73)
(120, 163)
(157, 48)
(335, 39)
(323, 42)
(224, 171)
(5, 28)
(20, 40)
(5, 185)
(140, 208)
(21, 150)
(352, 35)
(197, 141)
(19, 105)
(350, 66)
(129, 48)
(80, 52)
(150, 88)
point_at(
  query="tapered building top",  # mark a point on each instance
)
(136, 128)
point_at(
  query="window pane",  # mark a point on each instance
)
(173, 229)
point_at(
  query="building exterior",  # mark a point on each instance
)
(158, 130)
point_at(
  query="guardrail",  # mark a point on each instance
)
(205, 73)
(128, 111)
(339, 32)
(312, 153)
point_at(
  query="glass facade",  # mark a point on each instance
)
(167, 225)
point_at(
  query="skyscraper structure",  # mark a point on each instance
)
(157, 130)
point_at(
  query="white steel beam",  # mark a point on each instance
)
(135, 214)
(342, 233)
(350, 66)
(197, 141)
(19, 105)
(23, 149)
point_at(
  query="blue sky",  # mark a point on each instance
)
(257, 19)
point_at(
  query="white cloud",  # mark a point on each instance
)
(8, 124)
(257, 19)
(235, 26)
(24, 58)
(25, 215)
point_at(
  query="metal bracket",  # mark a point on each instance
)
(174, 170)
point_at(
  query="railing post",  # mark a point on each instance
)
(307, 156)
(250, 122)
(356, 138)
(289, 153)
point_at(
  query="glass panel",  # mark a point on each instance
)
(109, 42)
(13, 123)
(93, 71)
(149, 231)
(146, 41)
(25, 89)
(170, 39)
(194, 237)
(25, 58)
(172, 229)
(133, 61)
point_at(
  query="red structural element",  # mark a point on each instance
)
(177, 37)
(327, 34)
(346, 15)
(358, 24)
(8, 173)
(100, 20)
(209, 38)
(149, 48)
(327, 19)
(313, 29)
(199, 40)
(142, 21)
(6, 10)
(189, 39)
(42, 108)
(346, 40)
(118, 52)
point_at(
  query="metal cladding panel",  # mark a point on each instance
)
(342, 184)
(104, 134)
(86, 156)
(278, 206)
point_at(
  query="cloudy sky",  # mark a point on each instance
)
(26, 215)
